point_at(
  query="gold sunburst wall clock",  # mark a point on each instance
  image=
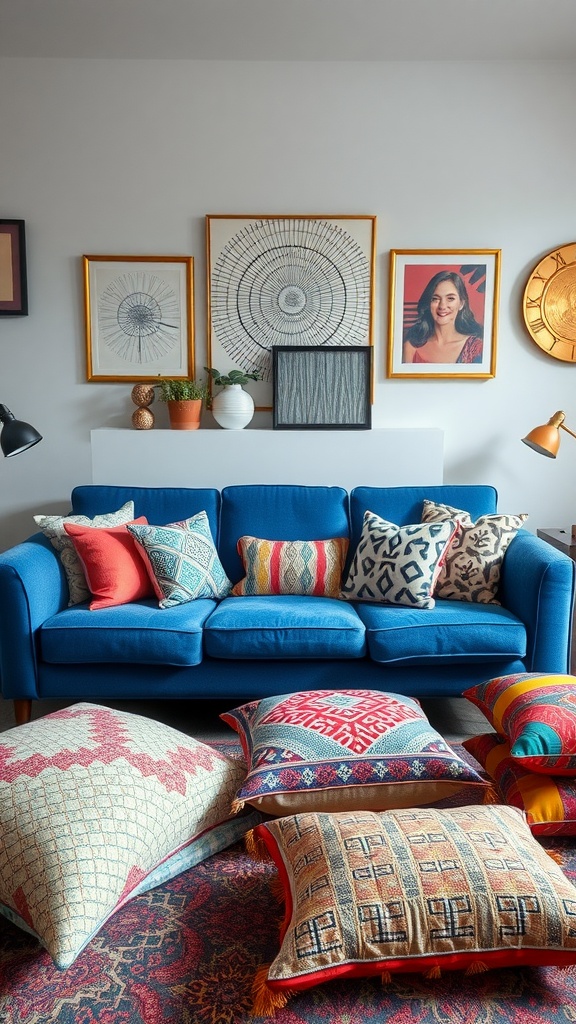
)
(550, 303)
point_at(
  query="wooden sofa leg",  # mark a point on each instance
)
(22, 711)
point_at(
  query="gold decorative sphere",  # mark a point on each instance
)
(143, 419)
(143, 394)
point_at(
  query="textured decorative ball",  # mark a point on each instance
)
(143, 419)
(142, 394)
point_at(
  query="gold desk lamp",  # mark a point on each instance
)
(546, 439)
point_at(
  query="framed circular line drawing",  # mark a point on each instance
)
(286, 280)
(139, 317)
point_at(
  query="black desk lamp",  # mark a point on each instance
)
(16, 435)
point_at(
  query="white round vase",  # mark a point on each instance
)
(233, 408)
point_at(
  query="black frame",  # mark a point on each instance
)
(18, 305)
(288, 360)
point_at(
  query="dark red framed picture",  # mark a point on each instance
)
(13, 284)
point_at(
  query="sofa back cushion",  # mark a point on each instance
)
(403, 505)
(160, 505)
(278, 512)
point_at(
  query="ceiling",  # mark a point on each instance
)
(319, 30)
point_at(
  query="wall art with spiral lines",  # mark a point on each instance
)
(286, 281)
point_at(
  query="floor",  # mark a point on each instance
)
(454, 717)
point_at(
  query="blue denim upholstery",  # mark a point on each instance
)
(279, 512)
(284, 627)
(140, 633)
(248, 647)
(457, 631)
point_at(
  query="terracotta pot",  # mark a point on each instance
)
(185, 415)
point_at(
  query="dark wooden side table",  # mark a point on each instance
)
(561, 539)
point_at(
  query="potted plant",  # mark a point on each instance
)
(232, 408)
(184, 398)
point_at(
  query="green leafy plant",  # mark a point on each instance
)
(182, 390)
(233, 377)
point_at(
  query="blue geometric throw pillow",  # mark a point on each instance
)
(182, 560)
(397, 564)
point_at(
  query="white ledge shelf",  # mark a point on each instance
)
(217, 458)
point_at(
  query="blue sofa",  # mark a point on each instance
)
(245, 647)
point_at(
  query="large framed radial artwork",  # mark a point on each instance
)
(286, 280)
(139, 317)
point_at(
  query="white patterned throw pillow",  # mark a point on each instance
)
(471, 571)
(182, 560)
(98, 805)
(53, 528)
(397, 564)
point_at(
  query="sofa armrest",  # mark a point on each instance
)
(538, 585)
(32, 588)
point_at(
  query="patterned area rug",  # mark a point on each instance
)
(186, 953)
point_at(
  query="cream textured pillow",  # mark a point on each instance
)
(397, 564)
(53, 528)
(97, 805)
(471, 571)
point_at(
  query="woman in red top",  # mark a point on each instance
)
(446, 330)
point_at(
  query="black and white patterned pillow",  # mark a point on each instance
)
(397, 564)
(471, 571)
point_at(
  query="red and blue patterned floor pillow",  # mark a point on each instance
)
(334, 750)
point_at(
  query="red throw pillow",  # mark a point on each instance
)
(114, 569)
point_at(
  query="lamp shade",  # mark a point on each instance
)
(16, 435)
(546, 439)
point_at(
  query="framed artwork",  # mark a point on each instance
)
(317, 387)
(13, 281)
(443, 313)
(282, 281)
(139, 317)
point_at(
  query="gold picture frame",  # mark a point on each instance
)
(446, 299)
(286, 280)
(139, 315)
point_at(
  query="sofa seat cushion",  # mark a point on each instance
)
(138, 633)
(452, 631)
(284, 626)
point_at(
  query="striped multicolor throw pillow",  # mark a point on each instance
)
(305, 567)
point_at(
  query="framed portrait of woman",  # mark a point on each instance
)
(443, 313)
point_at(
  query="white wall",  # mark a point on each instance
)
(126, 157)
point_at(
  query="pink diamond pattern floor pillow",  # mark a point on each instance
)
(96, 804)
